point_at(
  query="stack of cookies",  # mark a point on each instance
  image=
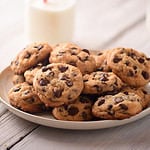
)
(77, 85)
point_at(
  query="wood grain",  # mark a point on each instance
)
(13, 129)
(127, 137)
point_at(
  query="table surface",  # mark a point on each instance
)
(99, 25)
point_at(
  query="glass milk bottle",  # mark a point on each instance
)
(49, 20)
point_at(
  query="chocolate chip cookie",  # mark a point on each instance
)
(119, 106)
(23, 96)
(58, 84)
(30, 56)
(30, 73)
(101, 83)
(131, 66)
(80, 110)
(101, 61)
(72, 54)
(145, 96)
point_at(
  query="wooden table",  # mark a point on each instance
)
(99, 25)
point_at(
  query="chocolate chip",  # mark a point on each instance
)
(27, 55)
(85, 50)
(127, 63)
(69, 83)
(26, 92)
(43, 82)
(111, 112)
(104, 77)
(57, 92)
(116, 59)
(100, 69)
(16, 89)
(72, 63)
(85, 80)
(73, 53)
(44, 69)
(98, 88)
(69, 97)
(73, 110)
(65, 107)
(102, 101)
(73, 48)
(99, 53)
(84, 115)
(145, 75)
(64, 77)
(148, 59)
(39, 47)
(74, 74)
(110, 107)
(134, 67)
(130, 73)
(118, 100)
(132, 55)
(83, 59)
(123, 106)
(141, 60)
(62, 68)
(145, 92)
(30, 100)
(126, 93)
(83, 99)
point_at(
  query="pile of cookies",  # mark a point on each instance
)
(76, 85)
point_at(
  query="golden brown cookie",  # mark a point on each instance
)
(23, 96)
(30, 56)
(145, 97)
(131, 66)
(74, 55)
(58, 84)
(80, 110)
(119, 106)
(101, 60)
(101, 83)
(30, 73)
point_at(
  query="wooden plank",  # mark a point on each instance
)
(132, 136)
(13, 129)
(2, 109)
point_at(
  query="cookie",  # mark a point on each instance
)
(80, 110)
(23, 96)
(101, 83)
(145, 96)
(119, 106)
(30, 56)
(72, 54)
(30, 73)
(131, 66)
(101, 61)
(18, 79)
(58, 84)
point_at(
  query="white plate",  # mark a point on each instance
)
(48, 120)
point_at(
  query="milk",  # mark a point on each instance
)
(52, 21)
